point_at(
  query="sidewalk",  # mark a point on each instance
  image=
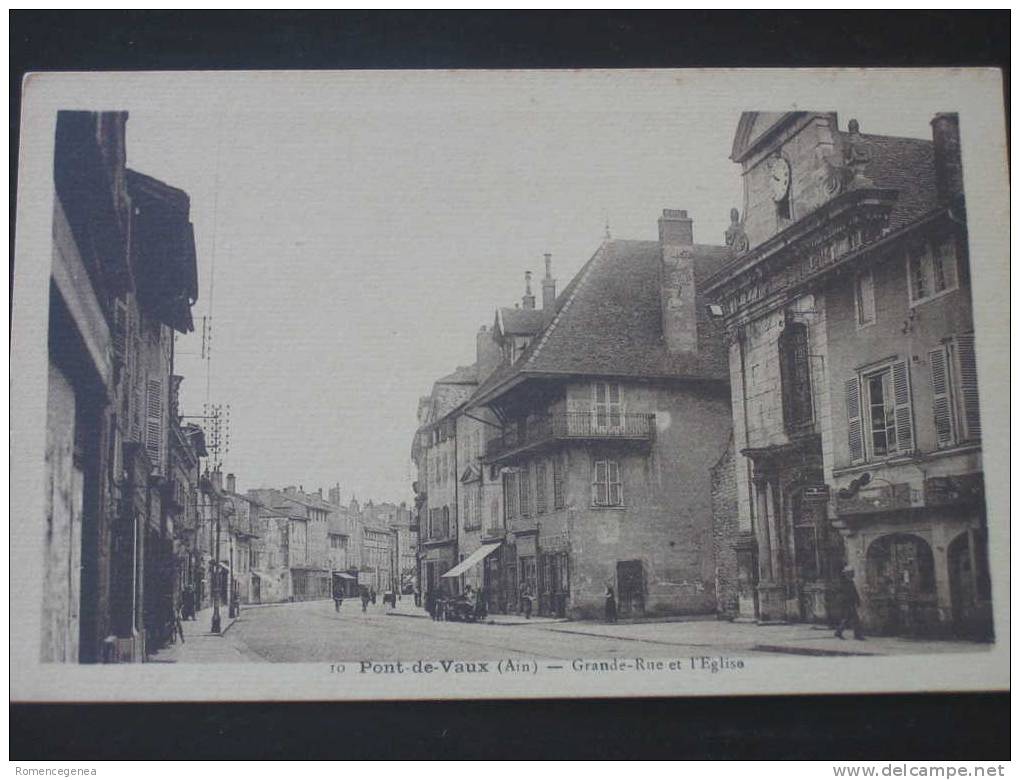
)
(792, 639)
(200, 645)
(407, 609)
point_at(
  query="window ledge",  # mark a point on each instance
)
(914, 457)
(605, 507)
(933, 297)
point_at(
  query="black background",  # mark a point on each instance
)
(971, 726)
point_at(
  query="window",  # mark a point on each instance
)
(510, 495)
(879, 417)
(557, 478)
(954, 389)
(479, 500)
(540, 505)
(524, 481)
(795, 371)
(931, 270)
(608, 404)
(864, 298)
(606, 488)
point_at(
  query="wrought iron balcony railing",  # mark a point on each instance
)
(571, 425)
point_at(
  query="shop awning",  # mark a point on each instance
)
(344, 575)
(472, 559)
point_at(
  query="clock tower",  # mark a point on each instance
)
(786, 160)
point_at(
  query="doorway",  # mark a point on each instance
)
(630, 582)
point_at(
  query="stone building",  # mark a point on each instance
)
(123, 279)
(853, 370)
(613, 401)
(307, 538)
(434, 452)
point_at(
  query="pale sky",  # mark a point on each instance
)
(359, 230)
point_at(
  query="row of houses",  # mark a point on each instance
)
(139, 522)
(119, 465)
(733, 427)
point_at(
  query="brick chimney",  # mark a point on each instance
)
(231, 483)
(945, 131)
(677, 292)
(548, 290)
(488, 355)
(528, 299)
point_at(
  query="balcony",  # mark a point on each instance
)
(569, 426)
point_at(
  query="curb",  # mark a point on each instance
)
(808, 651)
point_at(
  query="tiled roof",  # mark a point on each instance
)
(608, 322)
(521, 322)
(906, 165)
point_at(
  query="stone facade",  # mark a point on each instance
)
(853, 378)
(725, 529)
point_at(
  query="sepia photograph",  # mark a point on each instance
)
(509, 383)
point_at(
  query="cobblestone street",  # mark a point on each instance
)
(314, 632)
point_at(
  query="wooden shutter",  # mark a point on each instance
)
(941, 404)
(966, 364)
(154, 421)
(904, 415)
(855, 434)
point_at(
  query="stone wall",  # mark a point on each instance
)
(725, 529)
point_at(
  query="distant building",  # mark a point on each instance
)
(307, 532)
(853, 368)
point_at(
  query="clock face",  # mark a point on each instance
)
(779, 177)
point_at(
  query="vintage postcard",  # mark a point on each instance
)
(448, 384)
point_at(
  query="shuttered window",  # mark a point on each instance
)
(879, 414)
(606, 487)
(154, 422)
(965, 386)
(510, 495)
(942, 403)
(903, 412)
(557, 479)
(855, 434)
(540, 504)
(524, 481)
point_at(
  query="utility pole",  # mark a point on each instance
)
(215, 627)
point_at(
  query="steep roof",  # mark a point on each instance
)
(520, 322)
(906, 165)
(608, 322)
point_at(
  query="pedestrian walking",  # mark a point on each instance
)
(610, 604)
(373, 595)
(188, 603)
(850, 600)
(417, 596)
(430, 603)
(338, 600)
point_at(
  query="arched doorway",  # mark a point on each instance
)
(901, 585)
(970, 585)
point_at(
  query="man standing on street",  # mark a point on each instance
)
(338, 599)
(850, 600)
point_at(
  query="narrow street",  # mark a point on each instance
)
(313, 631)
